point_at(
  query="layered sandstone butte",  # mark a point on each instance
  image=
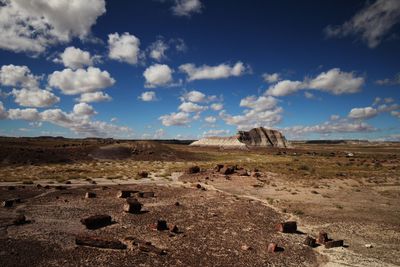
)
(257, 137)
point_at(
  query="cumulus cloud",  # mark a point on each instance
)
(3, 112)
(186, 7)
(390, 81)
(205, 72)
(217, 106)
(28, 114)
(191, 107)
(158, 49)
(175, 119)
(83, 109)
(32, 26)
(21, 76)
(124, 48)
(214, 132)
(371, 24)
(75, 58)
(262, 111)
(363, 113)
(148, 96)
(80, 81)
(94, 97)
(34, 97)
(394, 113)
(271, 77)
(158, 75)
(210, 119)
(334, 81)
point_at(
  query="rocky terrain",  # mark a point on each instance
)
(160, 204)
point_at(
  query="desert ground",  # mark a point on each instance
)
(222, 207)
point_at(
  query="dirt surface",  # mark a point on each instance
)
(212, 232)
(349, 190)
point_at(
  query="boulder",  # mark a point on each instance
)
(90, 195)
(227, 170)
(322, 237)
(124, 194)
(132, 205)
(96, 221)
(162, 225)
(287, 227)
(310, 241)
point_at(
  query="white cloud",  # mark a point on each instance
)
(309, 95)
(390, 81)
(158, 75)
(158, 49)
(83, 109)
(94, 97)
(191, 107)
(186, 7)
(213, 132)
(148, 96)
(124, 48)
(31, 26)
(194, 96)
(210, 119)
(212, 72)
(395, 114)
(371, 24)
(160, 133)
(3, 112)
(363, 113)
(263, 111)
(271, 77)
(334, 117)
(80, 81)
(217, 106)
(29, 114)
(333, 81)
(21, 76)
(175, 119)
(75, 58)
(34, 97)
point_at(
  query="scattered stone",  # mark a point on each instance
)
(246, 247)
(147, 247)
(90, 195)
(369, 246)
(97, 242)
(124, 194)
(227, 170)
(177, 203)
(272, 247)
(175, 230)
(162, 225)
(20, 219)
(193, 169)
(96, 221)
(287, 227)
(218, 167)
(198, 186)
(132, 205)
(322, 237)
(256, 174)
(143, 174)
(68, 182)
(146, 194)
(8, 203)
(310, 241)
(334, 243)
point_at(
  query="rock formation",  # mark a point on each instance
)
(256, 137)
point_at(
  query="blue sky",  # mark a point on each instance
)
(194, 68)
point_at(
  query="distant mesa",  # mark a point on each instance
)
(256, 137)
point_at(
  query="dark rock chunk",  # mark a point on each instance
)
(287, 227)
(218, 167)
(162, 225)
(47, 187)
(322, 237)
(11, 187)
(198, 186)
(146, 194)
(68, 182)
(334, 243)
(310, 241)
(132, 205)
(256, 174)
(124, 194)
(20, 219)
(60, 187)
(90, 195)
(97, 242)
(10, 202)
(193, 169)
(96, 221)
(176, 230)
(177, 203)
(272, 247)
(143, 174)
(227, 170)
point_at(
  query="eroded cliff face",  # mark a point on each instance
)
(257, 137)
(263, 137)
